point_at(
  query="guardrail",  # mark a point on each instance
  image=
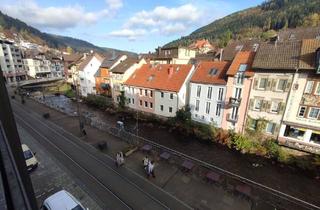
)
(138, 140)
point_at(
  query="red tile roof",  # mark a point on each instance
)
(242, 57)
(167, 77)
(202, 72)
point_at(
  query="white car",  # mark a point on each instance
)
(62, 200)
(31, 160)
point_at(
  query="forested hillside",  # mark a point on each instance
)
(258, 22)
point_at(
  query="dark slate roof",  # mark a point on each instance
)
(72, 57)
(308, 53)
(297, 34)
(230, 51)
(108, 62)
(278, 55)
(124, 65)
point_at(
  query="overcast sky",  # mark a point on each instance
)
(139, 25)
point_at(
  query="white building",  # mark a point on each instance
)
(57, 68)
(11, 62)
(38, 66)
(159, 89)
(87, 69)
(207, 92)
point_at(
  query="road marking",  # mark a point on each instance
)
(46, 139)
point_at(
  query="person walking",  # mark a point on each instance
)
(145, 162)
(151, 169)
(119, 159)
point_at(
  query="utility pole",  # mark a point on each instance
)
(137, 123)
(81, 125)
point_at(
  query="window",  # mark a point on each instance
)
(197, 105)
(309, 87)
(170, 109)
(220, 94)
(257, 104)
(317, 91)
(270, 127)
(213, 72)
(198, 91)
(282, 84)
(218, 110)
(161, 107)
(129, 100)
(253, 124)
(209, 92)
(263, 83)
(145, 92)
(208, 107)
(140, 91)
(315, 137)
(146, 104)
(237, 93)
(242, 68)
(140, 102)
(314, 113)
(133, 101)
(151, 93)
(162, 94)
(171, 95)
(151, 105)
(302, 111)
(274, 107)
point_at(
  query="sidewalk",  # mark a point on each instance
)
(188, 187)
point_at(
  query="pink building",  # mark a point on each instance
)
(238, 90)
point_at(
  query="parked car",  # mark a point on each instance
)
(31, 160)
(62, 200)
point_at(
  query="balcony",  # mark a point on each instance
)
(231, 118)
(234, 101)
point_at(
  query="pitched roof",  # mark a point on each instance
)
(123, 66)
(230, 51)
(167, 77)
(86, 61)
(200, 44)
(108, 62)
(308, 53)
(211, 72)
(278, 55)
(72, 57)
(245, 57)
(297, 34)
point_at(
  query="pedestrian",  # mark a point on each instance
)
(84, 132)
(121, 158)
(118, 159)
(151, 169)
(145, 162)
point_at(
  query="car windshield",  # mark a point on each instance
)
(27, 154)
(78, 207)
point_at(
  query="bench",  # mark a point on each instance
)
(146, 148)
(165, 155)
(187, 166)
(213, 177)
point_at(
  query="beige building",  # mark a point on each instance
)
(171, 55)
(301, 123)
(274, 65)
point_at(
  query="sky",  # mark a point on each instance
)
(133, 25)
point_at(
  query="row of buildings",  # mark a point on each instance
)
(18, 65)
(272, 87)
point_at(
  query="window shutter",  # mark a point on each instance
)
(274, 84)
(282, 106)
(255, 84)
(251, 104)
(288, 86)
(269, 81)
(276, 129)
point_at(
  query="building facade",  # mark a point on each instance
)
(207, 92)
(160, 89)
(301, 123)
(172, 55)
(240, 76)
(11, 62)
(38, 66)
(274, 67)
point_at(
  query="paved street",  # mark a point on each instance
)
(51, 176)
(99, 176)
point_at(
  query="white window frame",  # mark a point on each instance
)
(272, 103)
(259, 88)
(218, 110)
(309, 87)
(171, 96)
(315, 91)
(310, 112)
(146, 104)
(209, 93)
(273, 126)
(198, 91)
(208, 104)
(278, 82)
(161, 108)
(171, 109)
(197, 105)
(150, 105)
(220, 94)
(254, 105)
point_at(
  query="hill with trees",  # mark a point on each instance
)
(257, 22)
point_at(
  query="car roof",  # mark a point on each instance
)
(61, 200)
(24, 147)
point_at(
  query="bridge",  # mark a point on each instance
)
(38, 82)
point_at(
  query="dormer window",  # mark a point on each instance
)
(213, 71)
(242, 67)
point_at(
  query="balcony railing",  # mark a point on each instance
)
(234, 101)
(232, 118)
